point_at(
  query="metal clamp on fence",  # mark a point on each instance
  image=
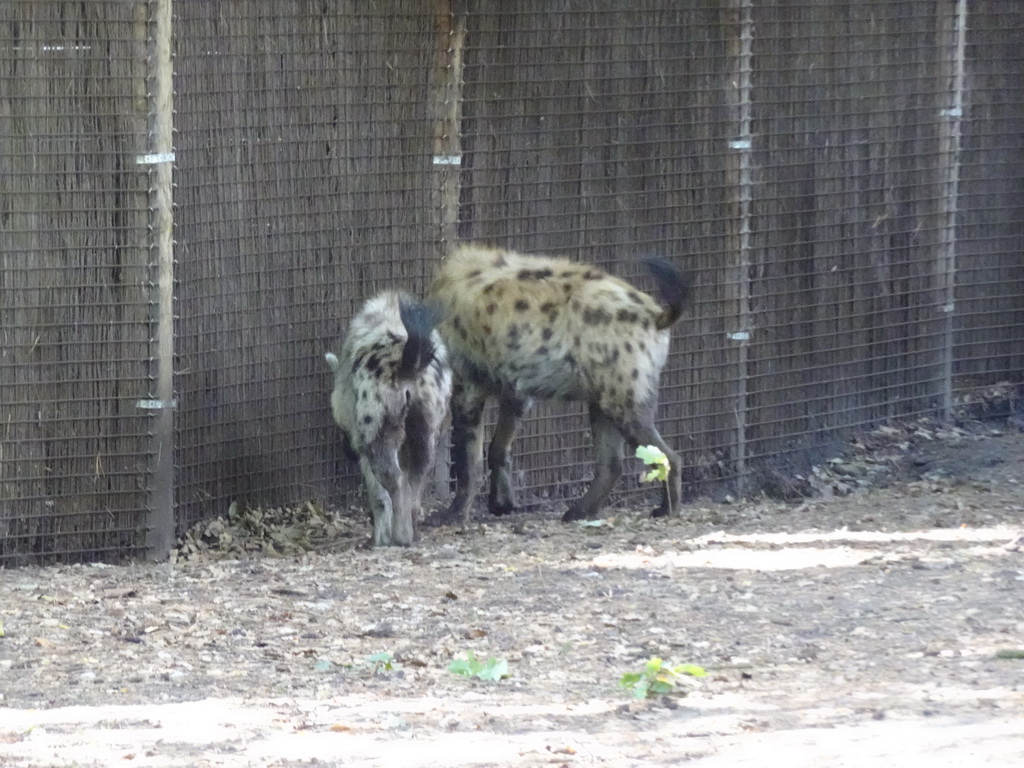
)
(156, 405)
(155, 159)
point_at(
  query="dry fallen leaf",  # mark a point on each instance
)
(561, 750)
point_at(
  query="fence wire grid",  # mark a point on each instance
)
(842, 180)
(74, 273)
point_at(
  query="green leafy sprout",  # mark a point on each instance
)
(378, 664)
(658, 678)
(1002, 653)
(491, 670)
(655, 458)
(382, 663)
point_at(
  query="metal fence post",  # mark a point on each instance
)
(952, 42)
(160, 162)
(739, 42)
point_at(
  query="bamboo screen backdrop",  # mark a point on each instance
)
(844, 180)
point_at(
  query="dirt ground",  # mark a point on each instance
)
(881, 623)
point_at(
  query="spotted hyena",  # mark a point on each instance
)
(392, 384)
(523, 327)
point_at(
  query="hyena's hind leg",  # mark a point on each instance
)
(608, 445)
(502, 497)
(643, 432)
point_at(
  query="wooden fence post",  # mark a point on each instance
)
(447, 159)
(450, 28)
(160, 162)
(739, 43)
(952, 33)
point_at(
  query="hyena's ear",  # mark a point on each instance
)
(332, 361)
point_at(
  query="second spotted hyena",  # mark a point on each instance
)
(522, 327)
(392, 384)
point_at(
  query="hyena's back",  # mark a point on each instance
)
(547, 327)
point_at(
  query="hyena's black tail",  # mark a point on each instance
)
(419, 351)
(674, 287)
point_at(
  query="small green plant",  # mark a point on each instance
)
(378, 664)
(382, 663)
(491, 670)
(1002, 653)
(658, 678)
(655, 458)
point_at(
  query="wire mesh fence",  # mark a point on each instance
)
(305, 185)
(848, 227)
(595, 133)
(841, 179)
(74, 271)
(989, 302)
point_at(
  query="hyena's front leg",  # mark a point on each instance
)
(392, 514)
(380, 504)
(418, 453)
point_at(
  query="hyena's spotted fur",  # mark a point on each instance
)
(521, 327)
(392, 384)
